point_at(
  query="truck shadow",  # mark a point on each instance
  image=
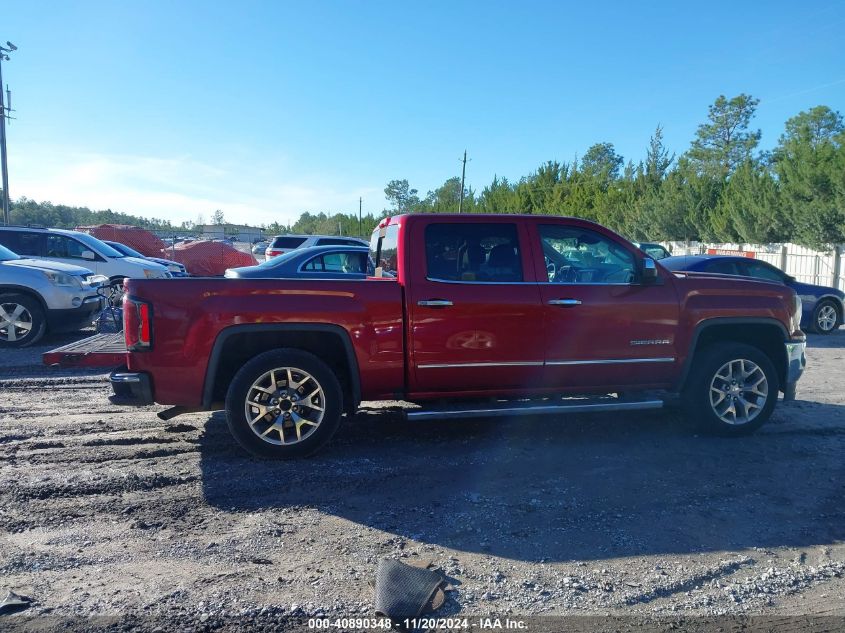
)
(583, 488)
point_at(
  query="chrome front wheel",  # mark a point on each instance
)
(732, 388)
(738, 392)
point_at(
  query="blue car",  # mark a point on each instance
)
(316, 262)
(822, 306)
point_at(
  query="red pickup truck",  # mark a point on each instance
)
(465, 315)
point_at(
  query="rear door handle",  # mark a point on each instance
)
(565, 302)
(434, 303)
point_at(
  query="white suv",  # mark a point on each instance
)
(282, 244)
(79, 249)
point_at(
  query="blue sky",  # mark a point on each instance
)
(267, 109)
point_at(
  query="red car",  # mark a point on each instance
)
(466, 315)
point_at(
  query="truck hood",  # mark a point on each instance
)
(713, 280)
(731, 288)
(44, 264)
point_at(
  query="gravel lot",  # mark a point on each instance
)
(107, 511)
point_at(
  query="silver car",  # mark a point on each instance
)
(39, 296)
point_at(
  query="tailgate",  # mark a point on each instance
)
(100, 350)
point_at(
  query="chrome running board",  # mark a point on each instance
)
(543, 407)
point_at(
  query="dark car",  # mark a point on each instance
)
(317, 262)
(822, 305)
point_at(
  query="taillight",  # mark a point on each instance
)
(137, 324)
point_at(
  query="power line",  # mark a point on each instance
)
(463, 178)
(3, 116)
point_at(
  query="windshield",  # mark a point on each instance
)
(123, 248)
(92, 242)
(7, 255)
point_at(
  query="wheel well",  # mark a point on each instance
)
(837, 305)
(26, 292)
(236, 349)
(767, 338)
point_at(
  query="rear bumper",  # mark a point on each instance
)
(74, 318)
(796, 361)
(131, 388)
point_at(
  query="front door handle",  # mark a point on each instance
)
(565, 302)
(434, 303)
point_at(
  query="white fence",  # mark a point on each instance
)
(807, 265)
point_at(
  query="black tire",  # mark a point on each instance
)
(697, 392)
(29, 312)
(313, 436)
(821, 317)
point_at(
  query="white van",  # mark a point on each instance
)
(80, 249)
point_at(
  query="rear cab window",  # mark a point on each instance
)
(473, 252)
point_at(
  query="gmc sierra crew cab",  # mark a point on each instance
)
(465, 316)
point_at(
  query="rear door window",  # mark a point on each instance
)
(473, 252)
(723, 267)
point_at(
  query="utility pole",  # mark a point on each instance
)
(3, 115)
(463, 178)
(360, 230)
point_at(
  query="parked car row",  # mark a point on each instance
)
(79, 249)
(316, 262)
(174, 268)
(282, 244)
(49, 277)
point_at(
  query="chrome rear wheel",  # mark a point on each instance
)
(285, 405)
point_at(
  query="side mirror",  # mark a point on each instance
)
(89, 255)
(649, 271)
